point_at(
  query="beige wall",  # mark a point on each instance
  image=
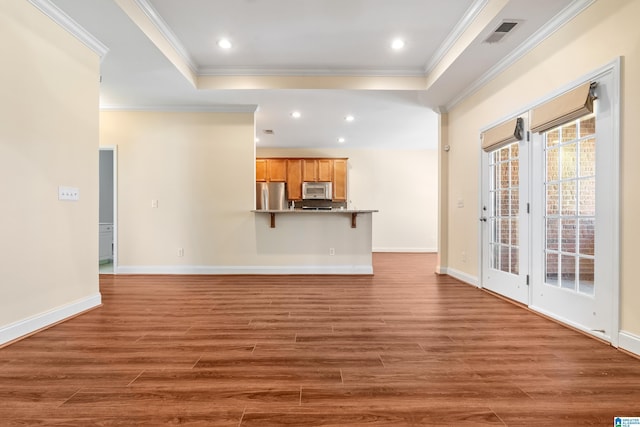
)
(606, 30)
(48, 137)
(401, 184)
(200, 169)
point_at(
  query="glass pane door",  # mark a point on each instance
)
(573, 218)
(570, 203)
(505, 226)
(504, 209)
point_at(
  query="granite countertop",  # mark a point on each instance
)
(328, 211)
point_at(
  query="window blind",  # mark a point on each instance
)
(564, 108)
(502, 134)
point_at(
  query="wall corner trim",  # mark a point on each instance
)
(243, 269)
(558, 21)
(629, 342)
(469, 16)
(441, 270)
(66, 22)
(249, 108)
(167, 33)
(464, 277)
(32, 324)
(405, 250)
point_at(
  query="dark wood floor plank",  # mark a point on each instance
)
(240, 377)
(404, 347)
(337, 416)
(385, 396)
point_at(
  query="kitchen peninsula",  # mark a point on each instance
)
(352, 212)
(317, 241)
(303, 218)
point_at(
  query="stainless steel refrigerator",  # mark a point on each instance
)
(271, 196)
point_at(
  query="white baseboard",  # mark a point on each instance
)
(407, 250)
(32, 324)
(571, 323)
(197, 269)
(629, 342)
(467, 278)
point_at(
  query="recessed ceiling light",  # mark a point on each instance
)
(341, 140)
(224, 44)
(349, 118)
(397, 44)
(296, 114)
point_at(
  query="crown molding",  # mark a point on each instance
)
(251, 108)
(162, 26)
(470, 15)
(284, 72)
(566, 15)
(167, 33)
(66, 22)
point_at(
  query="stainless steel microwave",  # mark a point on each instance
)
(317, 190)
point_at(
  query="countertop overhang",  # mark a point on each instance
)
(353, 212)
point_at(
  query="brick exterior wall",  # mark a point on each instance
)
(570, 201)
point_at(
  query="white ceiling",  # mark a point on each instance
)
(334, 35)
(320, 38)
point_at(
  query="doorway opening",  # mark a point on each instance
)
(107, 258)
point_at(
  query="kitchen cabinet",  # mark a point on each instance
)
(325, 170)
(261, 170)
(317, 170)
(271, 170)
(294, 179)
(309, 170)
(294, 171)
(277, 170)
(339, 180)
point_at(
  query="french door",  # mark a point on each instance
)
(504, 221)
(574, 262)
(549, 218)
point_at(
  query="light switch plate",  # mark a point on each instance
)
(68, 193)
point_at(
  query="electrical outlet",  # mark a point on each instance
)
(332, 251)
(180, 251)
(464, 256)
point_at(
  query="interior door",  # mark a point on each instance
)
(573, 221)
(504, 221)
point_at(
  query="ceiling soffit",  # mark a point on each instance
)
(151, 23)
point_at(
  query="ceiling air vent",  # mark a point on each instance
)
(268, 131)
(502, 30)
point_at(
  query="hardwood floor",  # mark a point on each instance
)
(403, 347)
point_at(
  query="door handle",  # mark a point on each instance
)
(483, 219)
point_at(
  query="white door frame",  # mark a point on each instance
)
(614, 67)
(114, 149)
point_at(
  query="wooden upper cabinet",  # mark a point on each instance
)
(261, 170)
(271, 170)
(315, 170)
(294, 179)
(295, 171)
(277, 170)
(309, 170)
(325, 170)
(340, 180)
